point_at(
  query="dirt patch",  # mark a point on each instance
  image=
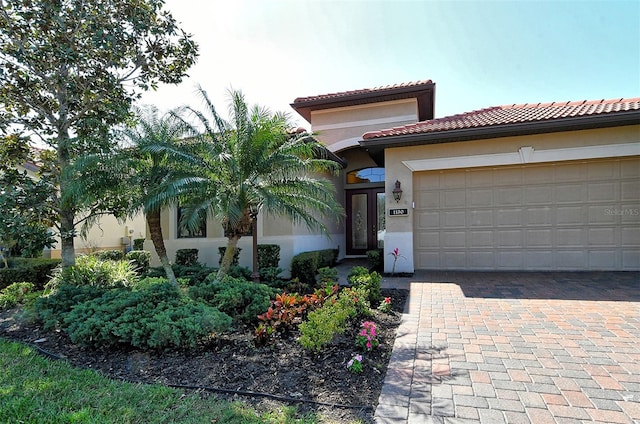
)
(233, 363)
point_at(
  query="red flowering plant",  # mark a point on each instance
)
(396, 254)
(385, 305)
(367, 338)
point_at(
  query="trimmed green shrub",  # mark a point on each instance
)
(304, 266)
(109, 255)
(92, 271)
(237, 271)
(268, 256)
(32, 270)
(327, 275)
(237, 297)
(375, 258)
(194, 274)
(14, 294)
(138, 244)
(324, 323)
(155, 317)
(236, 255)
(187, 257)
(359, 277)
(52, 309)
(270, 276)
(140, 260)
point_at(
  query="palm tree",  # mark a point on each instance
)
(254, 162)
(158, 163)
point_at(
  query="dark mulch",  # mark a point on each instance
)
(234, 363)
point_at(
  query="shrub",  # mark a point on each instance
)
(242, 272)
(268, 256)
(14, 294)
(140, 260)
(304, 266)
(155, 317)
(32, 270)
(375, 258)
(138, 244)
(327, 275)
(236, 255)
(270, 276)
(359, 276)
(237, 297)
(109, 255)
(52, 309)
(91, 271)
(187, 257)
(194, 274)
(323, 324)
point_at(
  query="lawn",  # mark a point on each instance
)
(34, 389)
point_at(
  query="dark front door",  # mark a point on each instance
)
(365, 220)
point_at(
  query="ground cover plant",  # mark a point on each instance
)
(207, 335)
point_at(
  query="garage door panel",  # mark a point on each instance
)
(564, 216)
(480, 218)
(510, 238)
(454, 218)
(540, 216)
(603, 192)
(508, 196)
(570, 215)
(479, 197)
(604, 236)
(630, 190)
(539, 238)
(509, 217)
(570, 193)
(570, 237)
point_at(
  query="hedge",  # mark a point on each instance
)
(32, 270)
(304, 266)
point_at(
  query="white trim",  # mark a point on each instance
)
(397, 120)
(344, 144)
(525, 154)
(341, 109)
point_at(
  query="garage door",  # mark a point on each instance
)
(562, 216)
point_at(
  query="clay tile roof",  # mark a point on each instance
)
(375, 90)
(511, 114)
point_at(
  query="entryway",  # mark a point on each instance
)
(365, 220)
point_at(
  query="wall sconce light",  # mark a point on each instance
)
(397, 192)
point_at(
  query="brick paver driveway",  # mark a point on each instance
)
(516, 348)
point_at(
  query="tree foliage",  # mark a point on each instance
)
(70, 70)
(254, 162)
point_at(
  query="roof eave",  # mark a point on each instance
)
(496, 131)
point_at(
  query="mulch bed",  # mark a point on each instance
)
(233, 363)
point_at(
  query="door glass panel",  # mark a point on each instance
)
(359, 222)
(381, 219)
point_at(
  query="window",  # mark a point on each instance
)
(200, 232)
(366, 175)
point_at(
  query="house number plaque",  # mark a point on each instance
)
(398, 212)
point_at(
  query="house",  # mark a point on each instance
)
(547, 186)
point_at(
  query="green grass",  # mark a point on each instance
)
(34, 389)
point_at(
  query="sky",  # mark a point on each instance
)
(478, 53)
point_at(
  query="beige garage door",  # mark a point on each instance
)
(582, 215)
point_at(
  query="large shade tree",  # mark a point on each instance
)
(251, 162)
(70, 70)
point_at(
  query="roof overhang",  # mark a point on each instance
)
(424, 94)
(376, 146)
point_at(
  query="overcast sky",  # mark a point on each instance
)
(479, 53)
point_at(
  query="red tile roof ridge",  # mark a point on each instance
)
(511, 114)
(363, 90)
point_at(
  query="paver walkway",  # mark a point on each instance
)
(516, 348)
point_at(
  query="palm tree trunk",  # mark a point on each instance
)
(155, 232)
(227, 259)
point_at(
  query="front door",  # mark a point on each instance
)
(365, 220)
